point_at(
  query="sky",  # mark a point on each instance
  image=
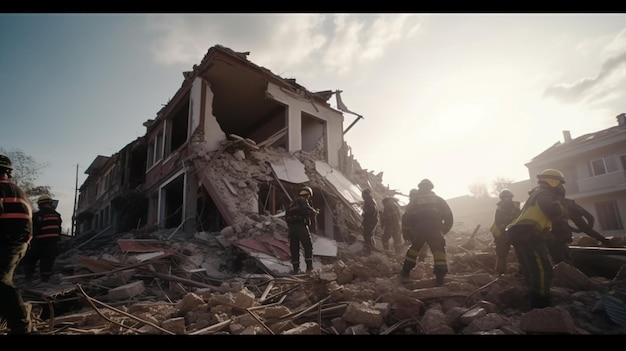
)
(460, 99)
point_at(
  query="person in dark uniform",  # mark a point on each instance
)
(299, 217)
(44, 246)
(15, 234)
(370, 220)
(428, 218)
(390, 222)
(506, 211)
(561, 233)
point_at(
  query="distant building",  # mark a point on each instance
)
(594, 166)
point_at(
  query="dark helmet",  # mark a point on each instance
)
(412, 193)
(425, 184)
(506, 193)
(5, 162)
(306, 191)
(366, 192)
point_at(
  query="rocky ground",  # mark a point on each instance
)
(204, 285)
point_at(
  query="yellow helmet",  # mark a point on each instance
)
(552, 177)
(44, 198)
(306, 191)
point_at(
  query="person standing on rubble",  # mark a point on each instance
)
(506, 211)
(529, 231)
(370, 220)
(299, 217)
(15, 234)
(390, 222)
(427, 220)
(44, 246)
(561, 233)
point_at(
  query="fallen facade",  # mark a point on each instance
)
(234, 141)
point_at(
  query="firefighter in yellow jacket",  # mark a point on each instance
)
(529, 231)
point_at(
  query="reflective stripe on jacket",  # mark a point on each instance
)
(46, 223)
(15, 213)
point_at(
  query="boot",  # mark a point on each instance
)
(309, 265)
(538, 301)
(404, 276)
(439, 280)
(296, 269)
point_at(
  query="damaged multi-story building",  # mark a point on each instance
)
(231, 147)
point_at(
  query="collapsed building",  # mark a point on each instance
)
(181, 232)
(235, 142)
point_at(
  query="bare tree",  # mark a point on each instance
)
(500, 184)
(478, 190)
(26, 170)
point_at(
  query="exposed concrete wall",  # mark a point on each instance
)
(297, 105)
(202, 110)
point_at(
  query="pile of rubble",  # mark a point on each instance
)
(167, 282)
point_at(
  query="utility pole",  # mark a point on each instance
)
(75, 200)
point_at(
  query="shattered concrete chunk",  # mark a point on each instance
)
(484, 323)
(245, 299)
(434, 322)
(571, 277)
(126, 291)
(549, 320)
(360, 313)
(308, 328)
(175, 325)
(189, 302)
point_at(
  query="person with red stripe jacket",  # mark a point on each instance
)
(15, 234)
(44, 246)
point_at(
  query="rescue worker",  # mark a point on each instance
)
(528, 234)
(44, 246)
(406, 228)
(299, 217)
(15, 234)
(561, 233)
(506, 211)
(427, 219)
(390, 222)
(370, 220)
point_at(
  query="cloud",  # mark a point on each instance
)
(281, 42)
(606, 87)
(360, 39)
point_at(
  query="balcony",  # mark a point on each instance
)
(605, 181)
